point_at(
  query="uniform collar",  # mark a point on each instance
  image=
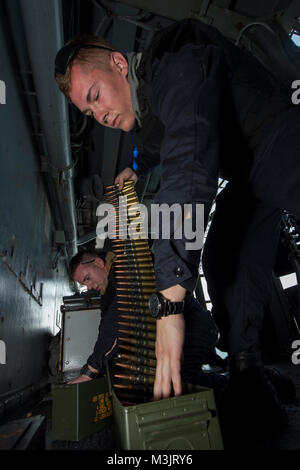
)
(134, 59)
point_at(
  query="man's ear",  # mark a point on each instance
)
(99, 262)
(119, 61)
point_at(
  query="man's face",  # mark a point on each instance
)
(92, 274)
(104, 94)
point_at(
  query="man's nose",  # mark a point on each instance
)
(88, 285)
(101, 116)
(92, 286)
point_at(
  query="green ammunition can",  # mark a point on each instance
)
(189, 421)
(79, 410)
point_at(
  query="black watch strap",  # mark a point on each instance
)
(160, 307)
(86, 371)
(173, 308)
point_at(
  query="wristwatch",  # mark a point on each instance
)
(86, 371)
(161, 307)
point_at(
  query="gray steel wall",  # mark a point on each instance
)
(27, 318)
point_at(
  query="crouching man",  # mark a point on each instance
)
(201, 335)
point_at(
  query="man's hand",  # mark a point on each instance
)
(169, 344)
(125, 175)
(83, 377)
(79, 379)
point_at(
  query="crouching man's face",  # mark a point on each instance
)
(92, 273)
(104, 94)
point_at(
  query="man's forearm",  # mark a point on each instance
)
(174, 293)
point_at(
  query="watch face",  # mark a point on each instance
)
(154, 305)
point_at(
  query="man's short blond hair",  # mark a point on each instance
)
(88, 58)
(81, 257)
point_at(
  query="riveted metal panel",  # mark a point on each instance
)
(79, 336)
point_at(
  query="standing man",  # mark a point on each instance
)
(208, 108)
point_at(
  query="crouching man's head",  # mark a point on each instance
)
(94, 76)
(89, 269)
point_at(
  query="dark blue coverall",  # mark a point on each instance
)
(220, 113)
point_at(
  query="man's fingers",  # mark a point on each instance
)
(159, 380)
(120, 181)
(176, 378)
(167, 373)
(79, 379)
(162, 386)
(166, 380)
(157, 385)
(169, 344)
(127, 174)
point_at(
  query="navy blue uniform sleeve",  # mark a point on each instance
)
(186, 95)
(107, 333)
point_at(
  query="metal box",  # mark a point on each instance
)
(186, 422)
(79, 410)
(77, 347)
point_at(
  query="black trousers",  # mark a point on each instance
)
(201, 336)
(240, 249)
